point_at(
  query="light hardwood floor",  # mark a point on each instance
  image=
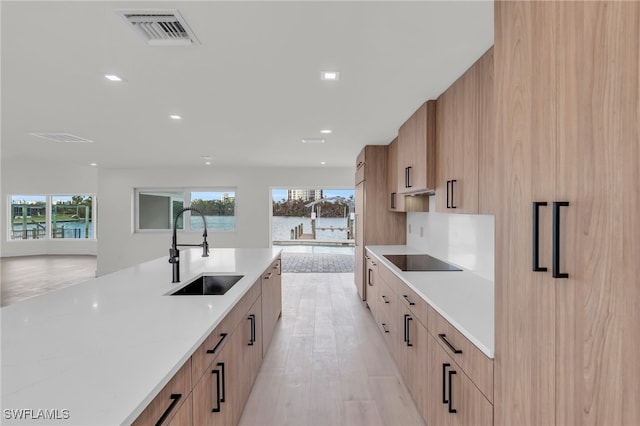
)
(23, 277)
(327, 363)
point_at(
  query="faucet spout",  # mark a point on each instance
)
(174, 253)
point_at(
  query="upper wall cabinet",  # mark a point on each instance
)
(416, 151)
(465, 127)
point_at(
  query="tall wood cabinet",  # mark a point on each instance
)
(464, 143)
(375, 224)
(567, 228)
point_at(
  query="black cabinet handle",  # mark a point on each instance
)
(215, 348)
(409, 177)
(535, 235)
(252, 338)
(268, 276)
(448, 202)
(406, 177)
(384, 298)
(453, 206)
(407, 338)
(384, 327)
(451, 409)
(393, 200)
(407, 299)
(556, 240)
(175, 397)
(443, 337)
(369, 277)
(216, 409)
(224, 387)
(444, 382)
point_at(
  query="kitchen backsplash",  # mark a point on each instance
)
(463, 239)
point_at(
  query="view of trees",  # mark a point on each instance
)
(225, 207)
(326, 208)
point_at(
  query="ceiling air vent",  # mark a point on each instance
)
(160, 27)
(61, 137)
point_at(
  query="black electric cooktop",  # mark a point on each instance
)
(419, 262)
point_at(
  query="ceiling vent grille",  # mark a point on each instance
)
(160, 27)
(61, 137)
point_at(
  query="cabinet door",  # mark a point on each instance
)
(216, 396)
(395, 201)
(359, 240)
(597, 173)
(251, 328)
(525, 136)
(453, 399)
(271, 302)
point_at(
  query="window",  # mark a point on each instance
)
(35, 217)
(157, 208)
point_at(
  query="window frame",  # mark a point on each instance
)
(49, 216)
(186, 192)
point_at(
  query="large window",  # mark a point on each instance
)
(36, 217)
(157, 208)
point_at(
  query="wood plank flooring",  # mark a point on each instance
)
(23, 277)
(327, 363)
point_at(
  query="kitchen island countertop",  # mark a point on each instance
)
(97, 353)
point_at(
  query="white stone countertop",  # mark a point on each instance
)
(461, 297)
(98, 352)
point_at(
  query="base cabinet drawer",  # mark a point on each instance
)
(169, 401)
(184, 415)
(453, 398)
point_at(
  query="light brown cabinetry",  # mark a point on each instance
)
(169, 401)
(465, 126)
(271, 302)
(567, 98)
(417, 150)
(434, 358)
(395, 200)
(375, 224)
(454, 398)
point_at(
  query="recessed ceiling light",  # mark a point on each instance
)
(175, 117)
(113, 77)
(93, 164)
(326, 131)
(208, 163)
(323, 162)
(312, 140)
(330, 75)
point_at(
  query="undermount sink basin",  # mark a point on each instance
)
(208, 285)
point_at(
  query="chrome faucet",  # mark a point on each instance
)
(174, 253)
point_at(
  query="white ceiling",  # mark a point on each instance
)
(248, 93)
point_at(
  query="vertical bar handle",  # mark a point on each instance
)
(393, 200)
(451, 409)
(407, 337)
(556, 240)
(535, 236)
(448, 202)
(453, 206)
(369, 271)
(444, 382)
(409, 177)
(224, 390)
(252, 320)
(216, 409)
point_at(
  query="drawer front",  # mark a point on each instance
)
(389, 278)
(170, 399)
(414, 303)
(215, 342)
(475, 364)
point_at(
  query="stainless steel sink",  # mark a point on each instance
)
(208, 285)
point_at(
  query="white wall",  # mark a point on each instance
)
(463, 239)
(119, 246)
(29, 178)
